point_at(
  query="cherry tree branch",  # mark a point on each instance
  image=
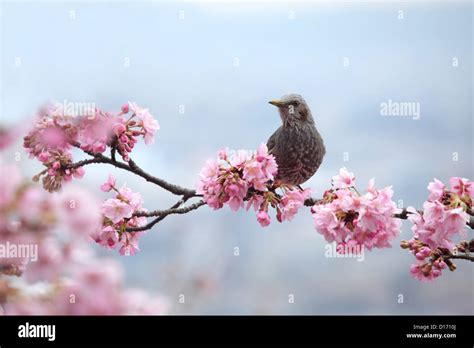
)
(172, 210)
(135, 169)
(402, 215)
(186, 194)
(164, 213)
(462, 257)
(227, 183)
(464, 250)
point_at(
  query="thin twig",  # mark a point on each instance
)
(170, 211)
(164, 214)
(113, 149)
(134, 168)
(462, 257)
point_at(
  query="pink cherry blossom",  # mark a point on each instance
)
(108, 237)
(240, 158)
(235, 190)
(436, 189)
(95, 133)
(109, 184)
(80, 210)
(222, 154)
(54, 138)
(116, 210)
(268, 162)
(326, 223)
(234, 179)
(66, 263)
(55, 134)
(137, 110)
(118, 216)
(444, 214)
(246, 176)
(10, 179)
(292, 201)
(150, 126)
(125, 108)
(134, 199)
(428, 266)
(252, 170)
(263, 218)
(249, 177)
(344, 216)
(462, 186)
(345, 179)
(256, 201)
(130, 244)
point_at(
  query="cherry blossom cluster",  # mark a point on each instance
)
(92, 288)
(349, 218)
(66, 277)
(118, 216)
(249, 178)
(444, 216)
(430, 262)
(56, 132)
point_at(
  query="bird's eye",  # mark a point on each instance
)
(296, 103)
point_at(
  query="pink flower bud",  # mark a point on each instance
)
(43, 157)
(425, 251)
(56, 165)
(86, 147)
(79, 172)
(125, 108)
(439, 264)
(222, 154)
(98, 147)
(51, 172)
(263, 218)
(420, 256)
(119, 128)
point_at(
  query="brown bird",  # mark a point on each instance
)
(297, 145)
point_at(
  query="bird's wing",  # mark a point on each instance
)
(272, 140)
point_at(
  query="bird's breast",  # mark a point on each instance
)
(298, 152)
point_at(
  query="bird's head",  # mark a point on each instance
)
(293, 109)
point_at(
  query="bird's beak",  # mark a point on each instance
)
(276, 102)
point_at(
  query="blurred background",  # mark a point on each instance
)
(206, 71)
